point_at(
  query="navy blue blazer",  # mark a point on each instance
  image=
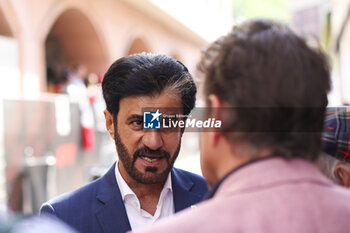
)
(98, 206)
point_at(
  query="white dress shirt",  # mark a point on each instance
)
(138, 217)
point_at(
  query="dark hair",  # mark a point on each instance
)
(262, 64)
(147, 74)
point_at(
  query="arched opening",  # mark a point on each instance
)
(138, 46)
(72, 40)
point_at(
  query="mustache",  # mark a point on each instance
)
(148, 151)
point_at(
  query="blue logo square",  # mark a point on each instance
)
(151, 120)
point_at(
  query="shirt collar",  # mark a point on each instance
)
(125, 190)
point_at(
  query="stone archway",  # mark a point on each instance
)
(72, 39)
(5, 29)
(137, 46)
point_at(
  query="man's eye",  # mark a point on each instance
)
(136, 123)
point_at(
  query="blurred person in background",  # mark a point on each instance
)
(97, 101)
(142, 186)
(262, 164)
(56, 83)
(76, 82)
(76, 88)
(335, 159)
(93, 87)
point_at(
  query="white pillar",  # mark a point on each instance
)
(32, 64)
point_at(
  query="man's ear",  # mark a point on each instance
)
(342, 173)
(215, 109)
(109, 123)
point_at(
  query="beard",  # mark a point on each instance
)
(149, 176)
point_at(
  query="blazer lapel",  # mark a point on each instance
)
(112, 216)
(182, 185)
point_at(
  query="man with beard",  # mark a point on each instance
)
(142, 186)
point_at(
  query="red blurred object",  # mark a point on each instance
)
(100, 78)
(92, 99)
(88, 138)
(65, 154)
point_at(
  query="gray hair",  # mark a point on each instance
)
(327, 164)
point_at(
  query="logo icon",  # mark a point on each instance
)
(151, 120)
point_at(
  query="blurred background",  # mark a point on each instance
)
(54, 53)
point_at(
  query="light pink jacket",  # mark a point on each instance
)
(272, 196)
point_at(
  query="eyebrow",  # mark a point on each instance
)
(134, 116)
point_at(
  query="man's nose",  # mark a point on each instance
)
(153, 139)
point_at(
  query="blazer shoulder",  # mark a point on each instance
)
(104, 186)
(67, 202)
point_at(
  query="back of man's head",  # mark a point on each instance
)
(147, 74)
(265, 67)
